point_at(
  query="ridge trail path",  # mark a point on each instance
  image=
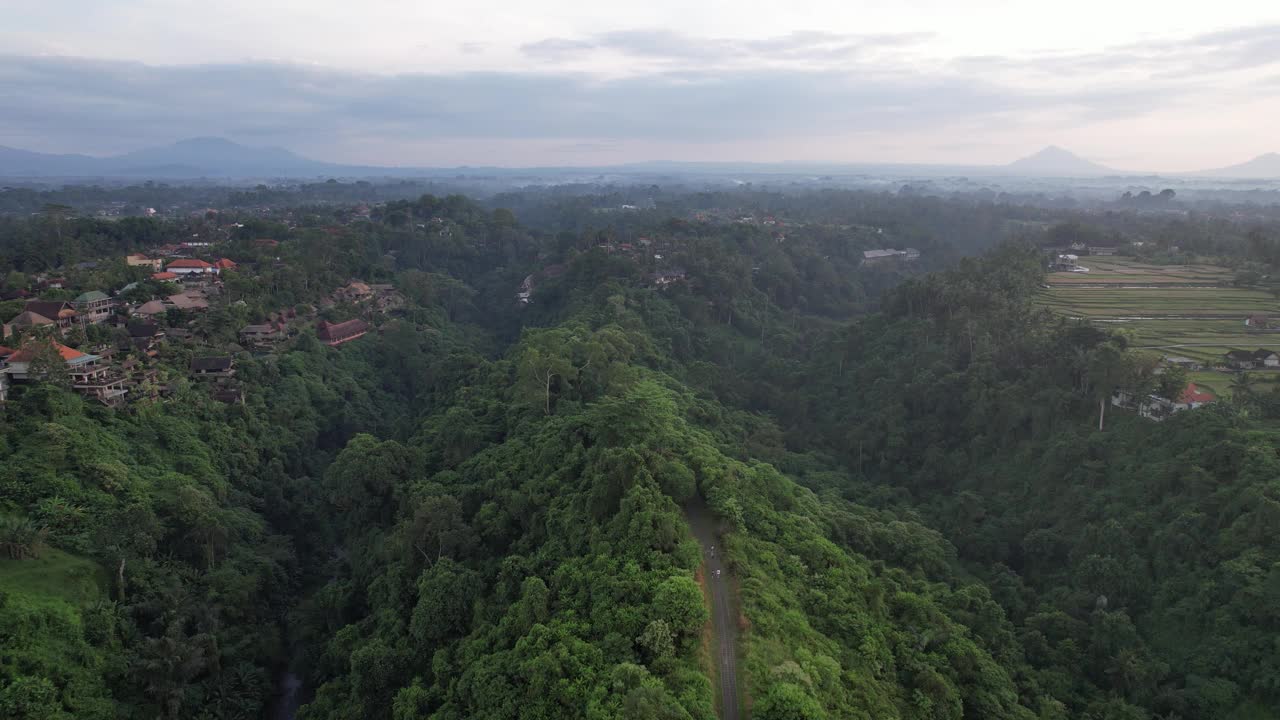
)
(724, 621)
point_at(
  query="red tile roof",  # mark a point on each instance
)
(336, 333)
(190, 263)
(26, 353)
(225, 264)
(1193, 394)
(166, 275)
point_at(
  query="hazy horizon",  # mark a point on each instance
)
(1139, 87)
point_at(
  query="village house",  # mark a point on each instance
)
(1068, 262)
(1265, 358)
(94, 307)
(199, 282)
(213, 367)
(165, 276)
(334, 334)
(89, 377)
(1239, 359)
(225, 264)
(386, 298)
(229, 395)
(1183, 362)
(355, 291)
(878, 257)
(4, 373)
(1158, 408)
(1258, 322)
(885, 256)
(1246, 360)
(263, 335)
(1101, 250)
(191, 266)
(140, 260)
(141, 379)
(150, 309)
(663, 278)
(187, 301)
(27, 320)
(143, 337)
(59, 311)
(524, 295)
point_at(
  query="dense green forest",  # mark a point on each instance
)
(479, 510)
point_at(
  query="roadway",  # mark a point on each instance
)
(724, 620)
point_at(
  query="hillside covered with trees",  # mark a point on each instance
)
(479, 509)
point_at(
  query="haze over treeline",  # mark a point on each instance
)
(220, 158)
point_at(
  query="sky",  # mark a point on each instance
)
(1133, 84)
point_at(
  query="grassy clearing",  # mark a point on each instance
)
(54, 576)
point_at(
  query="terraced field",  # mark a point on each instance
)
(1118, 270)
(1117, 302)
(1183, 310)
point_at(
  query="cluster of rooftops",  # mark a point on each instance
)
(100, 374)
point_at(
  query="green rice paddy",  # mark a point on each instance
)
(1166, 306)
(1160, 302)
(1121, 270)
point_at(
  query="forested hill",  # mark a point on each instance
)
(477, 509)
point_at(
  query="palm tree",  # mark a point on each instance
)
(57, 212)
(20, 538)
(168, 665)
(1242, 386)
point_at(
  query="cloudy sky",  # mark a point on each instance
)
(1135, 84)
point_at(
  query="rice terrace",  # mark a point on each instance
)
(1190, 311)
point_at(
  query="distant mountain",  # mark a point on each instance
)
(196, 157)
(1053, 160)
(220, 156)
(213, 157)
(14, 162)
(1262, 167)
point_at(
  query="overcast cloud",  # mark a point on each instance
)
(597, 93)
